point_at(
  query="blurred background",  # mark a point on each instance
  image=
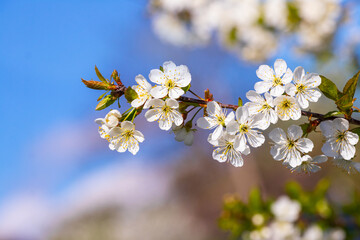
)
(58, 178)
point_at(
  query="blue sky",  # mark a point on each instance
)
(48, 136)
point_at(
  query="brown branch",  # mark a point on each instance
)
(320, 117)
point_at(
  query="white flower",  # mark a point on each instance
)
(184, 134)
(226, 150)
(313, 232)
(308, 164)
(347, 165)
(289, 147)
(143, 92)
(244, 126)
(111, 120)
(262, 106)
(340, 141)
(286, 108)
(286, 209)
(273, 81)
(305, 88)
(125, 138)
(164, 111)
(172, 80)
(216, 119)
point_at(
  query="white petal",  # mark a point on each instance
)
(169, 66)
(232, 127)
(133, 147)
(100, 121)
(254, 97)
(152, 115)
(157, 76)
(327, 128)
(139, 136)
(288, 76)
(280, 67)
(273, 116)
(142, 82)
(294, 132)
(138, 102)
(312, 80)
(302, 100)
(261, 87)
(264, 72)
(352, 138)
(290, 89)
(156, 103)
(218, 154)
(299, 72)
(165, 124)
(341, 124)
(204, 123)
(213, 108)
(176, 92)
(159, 91)
(230, 117)
(328, 151)
(278, 136)
(319, 159)
(347, 151)
(242, 114)
(277, 91)
(217, 132)
(237, 161)
(177, 117)
(305, 145)
(255, 139)
(240, 142)
(127, 125)
(172, 103)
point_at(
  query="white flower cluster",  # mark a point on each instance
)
(281, 94)
(161, 99)
(286, 212)
(121, 138)
(285, 94)
(251, 28)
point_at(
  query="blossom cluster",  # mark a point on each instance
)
(285, 93)
(251, 28)
(286, 213)
(281, 94)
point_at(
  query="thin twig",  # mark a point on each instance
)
(319, 116)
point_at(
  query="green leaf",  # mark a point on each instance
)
(332, 114)
(107, 101)
(161, 68)
(329, 89)
(345, 103)
(305, 128)
(356, 130)
(350, 86)
(130, 94)
(240, 102)
(100, 76)
(97, 85)
(102, 95)
(186, 88)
